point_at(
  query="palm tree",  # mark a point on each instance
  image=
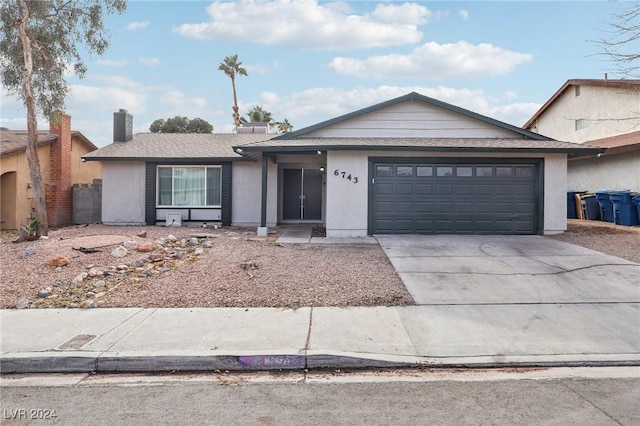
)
(257, 115)
(232, 67)
(284, 126)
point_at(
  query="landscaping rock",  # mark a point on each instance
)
(29, 252)
(59, 261)
(146, 247)
(119, 252)
(22, 303)
(45, 292)
(79, 278)
(130, 245)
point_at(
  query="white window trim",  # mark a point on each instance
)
(163, 206)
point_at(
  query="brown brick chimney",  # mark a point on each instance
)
(59, 189)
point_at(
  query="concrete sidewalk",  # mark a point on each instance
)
(131, 339)
(301, 234)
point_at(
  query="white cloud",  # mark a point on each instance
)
(309, 25)
(150, 62)
(134, 26)
(315, 105)
(435, 61)
(464, 14)
(263, 68)
(112, 62)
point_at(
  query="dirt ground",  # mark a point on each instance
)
(195, 267)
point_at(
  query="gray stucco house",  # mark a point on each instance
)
(412, 164)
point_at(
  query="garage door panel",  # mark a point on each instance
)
(424, 188)
(404, 188)
(384, 206)
(383, 188)
(476, 198)
(404, 207)
(464, 189)
(484, 189)
(424, 207)
(464, 208)
(444, 189)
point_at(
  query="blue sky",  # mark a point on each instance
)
(309, 61)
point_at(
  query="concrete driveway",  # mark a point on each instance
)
(521, 297)
(446, 269)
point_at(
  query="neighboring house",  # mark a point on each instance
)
(409, 165)
(603, 113)
(60, 151)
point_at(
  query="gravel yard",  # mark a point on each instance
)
(223, 267)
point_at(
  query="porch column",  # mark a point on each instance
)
(263, 212)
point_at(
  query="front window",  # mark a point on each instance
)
(189, 186)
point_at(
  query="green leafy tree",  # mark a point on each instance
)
(39, 45)
(232, 67)
(284, 126)
(179, 124)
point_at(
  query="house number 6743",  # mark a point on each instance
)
(345, 175)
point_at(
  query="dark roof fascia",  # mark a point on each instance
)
(193, 160)
(409, 97)
(315, 148)
(620, 84)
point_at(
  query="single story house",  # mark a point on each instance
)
(59, 151)
(412, 164)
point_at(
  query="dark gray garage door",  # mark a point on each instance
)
(454, 198)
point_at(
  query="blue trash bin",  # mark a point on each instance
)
(636, 202)
(606, 206)
(624, 212)
(590, 207)
(572, 212)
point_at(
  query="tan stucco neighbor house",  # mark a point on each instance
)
(601, 113)
(60, 151)
(411, 164)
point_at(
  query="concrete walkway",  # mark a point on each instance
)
(482, 302)
(301, 234)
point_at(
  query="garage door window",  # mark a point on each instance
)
(384, 171)
(484, 171)
(464, 171)
(444, 171)
(503, 171)
(404, 171)
(524, 172)
(424, 171)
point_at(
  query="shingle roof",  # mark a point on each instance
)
(614, 84)
(169, 146)
(419, 144)
(12, 141)
(615, 145)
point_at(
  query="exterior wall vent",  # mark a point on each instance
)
(122, 126)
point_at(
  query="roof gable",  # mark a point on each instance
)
(410, 116)
(613, 84)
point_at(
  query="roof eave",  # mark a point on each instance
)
(193, 160)
(315, 148)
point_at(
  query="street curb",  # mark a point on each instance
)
(104, 363)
